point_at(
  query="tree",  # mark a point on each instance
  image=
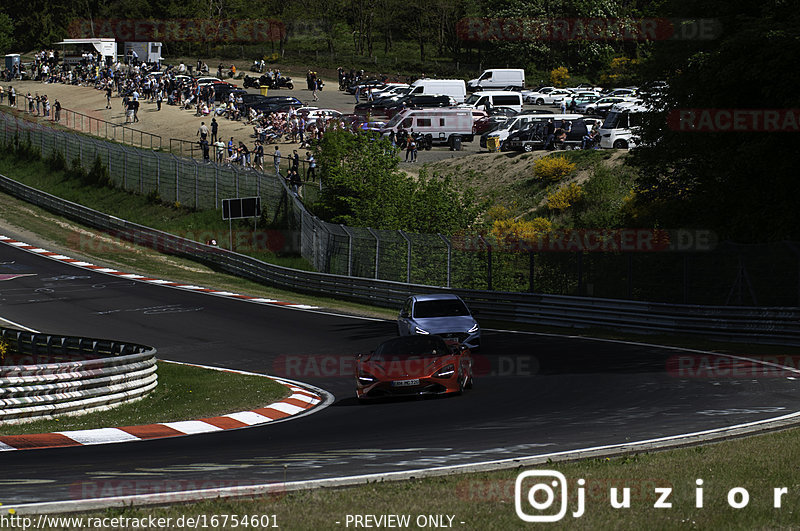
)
(361, 186)
(742, 184)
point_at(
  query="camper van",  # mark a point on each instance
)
(521, 121)
(439, 125)
(494, 98)
(620, 128)
(455, 88)
(498, 78)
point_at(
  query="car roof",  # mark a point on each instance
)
(435, 297)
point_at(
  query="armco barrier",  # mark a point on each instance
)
(731, 323)
(56, 375)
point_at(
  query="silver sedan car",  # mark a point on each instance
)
(441, 314)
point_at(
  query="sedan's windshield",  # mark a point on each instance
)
(439, 308)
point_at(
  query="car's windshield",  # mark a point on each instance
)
(472, 99)
(439, 308)
(411, 347)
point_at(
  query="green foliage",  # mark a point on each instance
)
(363, 187)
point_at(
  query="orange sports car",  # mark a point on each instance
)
(414, 365)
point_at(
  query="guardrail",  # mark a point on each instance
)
(96, 126)
(60, 375)
(779, 325)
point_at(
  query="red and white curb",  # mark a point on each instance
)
(302, 401)
(141, 278)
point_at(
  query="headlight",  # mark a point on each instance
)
(366, 378)
(445, 372)
(474, 329)
(418, 330)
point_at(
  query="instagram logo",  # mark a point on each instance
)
(540, 497)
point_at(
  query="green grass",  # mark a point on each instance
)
(40, 227)
(183, 393)
(133, 207)
(486, 500)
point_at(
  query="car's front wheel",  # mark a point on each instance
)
(620, 144)
(540, 101)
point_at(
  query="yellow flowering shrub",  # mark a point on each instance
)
(565, 197)
(553, 168)
(559, 76)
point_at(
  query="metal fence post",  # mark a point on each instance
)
(449, 256)
(196, 178)
(377, 249)
(177, 180)
(408, 258)
(216, 186)
(349, 251)
(488, 263)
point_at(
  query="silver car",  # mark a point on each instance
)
(444, 315)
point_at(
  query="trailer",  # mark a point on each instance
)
(142, 52)
(76, 50)
(436, 125)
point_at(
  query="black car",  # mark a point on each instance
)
(374, 84)
(376, 107)
(417, 100)
(534, 136)
(222, 93)
(269, 107)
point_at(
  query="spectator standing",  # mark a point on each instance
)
(202, 131)
(57, 110)
(312, 166)
(259, 155)
(277, 157)
(204, 146)
(108, 96)
(214, 129)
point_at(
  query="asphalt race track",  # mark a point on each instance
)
(533, 394)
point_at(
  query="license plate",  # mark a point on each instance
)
(405, 383)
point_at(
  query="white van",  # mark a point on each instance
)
(440, 124)
(455, 88)
(620, 128)
(498, 78)
(495, 98)
(518, 122)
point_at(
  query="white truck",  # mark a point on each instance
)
(436, 125)
(498, 78)
(455, 88)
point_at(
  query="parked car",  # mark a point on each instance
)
(494, 98)
(455, 88)
(496, 78)
(496, 116)
(534, 135)
(553, 96)
(601, 106)
(531, 96)
(418, 100)
(365, 85)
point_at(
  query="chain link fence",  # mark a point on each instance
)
(730, 274)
